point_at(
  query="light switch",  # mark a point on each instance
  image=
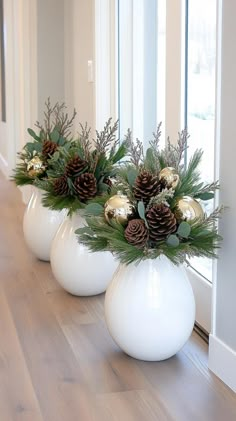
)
(90, 71)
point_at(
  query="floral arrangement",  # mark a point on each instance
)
(82, 170)
(54, 132)
(155, 207)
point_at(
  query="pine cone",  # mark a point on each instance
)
(61, 187)
(75, 166)
(49, 147)
(161, 222)
(86, 186)
(146, 186)
(136, 233)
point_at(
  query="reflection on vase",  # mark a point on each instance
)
(150, 309)
(76, 269)
(40, 225)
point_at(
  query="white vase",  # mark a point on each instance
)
(40, 225)
(150, 309)
(77, 270)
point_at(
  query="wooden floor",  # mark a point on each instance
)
(58, 362)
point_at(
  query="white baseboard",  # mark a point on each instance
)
(222, 361)
(202, 290)
(4, 166)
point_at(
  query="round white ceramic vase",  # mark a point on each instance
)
(76, 269)
(40, 225)
(150, 309)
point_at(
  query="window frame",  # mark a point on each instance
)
(175, 118)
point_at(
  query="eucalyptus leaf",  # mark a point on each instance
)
(33, 134)
(173, 240)
(61, 141)
(141, 212)
(184, 229)
(30, 146)
(56, 156)
(149, 154)
(205, 196)
(103, 187)
(54, 135)
(94, 209)
(37, 146)
(131, 176)
(150, 162)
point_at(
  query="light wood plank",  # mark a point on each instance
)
(17, 396)
(131, 406)
(56, 375)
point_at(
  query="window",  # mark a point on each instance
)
(165, 71)
(200, 94)
(141, 66)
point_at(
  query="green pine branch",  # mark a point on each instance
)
(58, 203)
(203, 241)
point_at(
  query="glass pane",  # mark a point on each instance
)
(2, 66)
(141, 66)
(201, 62)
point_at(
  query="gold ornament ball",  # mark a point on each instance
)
(190, 208)
(119, 208)
(170, 176)
(35, 167)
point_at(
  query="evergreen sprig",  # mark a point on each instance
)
(100, 163)
(203, 241)
(55, 128)
(179, 238)
(56, 117)
(106, 139)
(135, 149)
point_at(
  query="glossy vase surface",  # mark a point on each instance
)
(40, 225)
(77, 270)
(150, 309)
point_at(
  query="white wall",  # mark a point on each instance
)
(8, 128)
(34, 58)
(50, 47)
(223, 339)
(79, 48)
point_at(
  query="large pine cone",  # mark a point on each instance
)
(146, 186)
(161, 222)
(49, 148)
(75, 166)
(136, 233)
(86, 186)
(61, 187)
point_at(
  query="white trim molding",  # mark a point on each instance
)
(222, 346)
(21, 78)
(202, 290)
(222, 361)
(174, 79)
